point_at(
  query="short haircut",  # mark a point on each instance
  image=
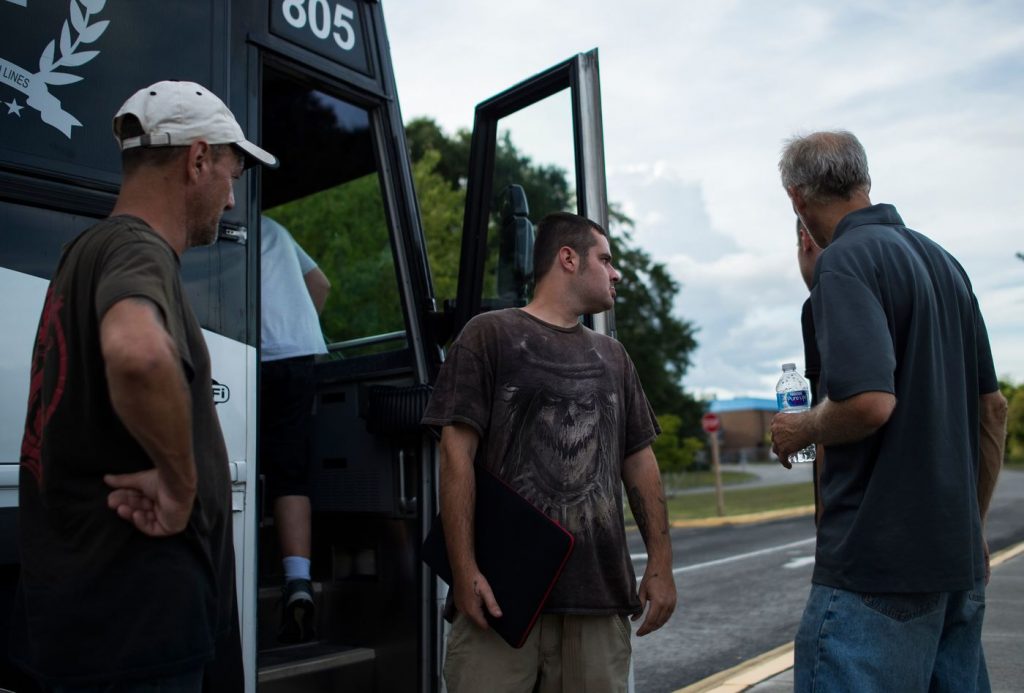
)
(560, 229)
(138, 157)
(825, 166)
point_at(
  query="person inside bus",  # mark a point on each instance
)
(557, 412)
(125, 534)
(293, 292)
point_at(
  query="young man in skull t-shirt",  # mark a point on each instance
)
(557, 412)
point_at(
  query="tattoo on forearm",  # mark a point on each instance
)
(639, 507)
(664, 514)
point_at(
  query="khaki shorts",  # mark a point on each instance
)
(564, 653)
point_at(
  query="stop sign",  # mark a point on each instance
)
(710, 422)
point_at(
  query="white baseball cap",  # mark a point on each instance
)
(174, 114)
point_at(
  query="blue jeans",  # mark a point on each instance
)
(862, 643)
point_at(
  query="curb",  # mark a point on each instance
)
(747, 674)
(749, 518)
(774, 662)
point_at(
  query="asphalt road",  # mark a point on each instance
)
(742, 590)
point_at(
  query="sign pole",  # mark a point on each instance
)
(711, 424)
(719, 496)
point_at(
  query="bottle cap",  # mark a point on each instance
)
(788, 367)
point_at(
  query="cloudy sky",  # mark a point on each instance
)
(697, 99)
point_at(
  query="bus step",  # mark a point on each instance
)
(299, 660)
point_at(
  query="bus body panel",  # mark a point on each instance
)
(65, 68)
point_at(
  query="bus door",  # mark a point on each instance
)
(547, 124)
(344, 193)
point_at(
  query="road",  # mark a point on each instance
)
(742, 589)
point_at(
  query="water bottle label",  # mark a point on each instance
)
(796, 399)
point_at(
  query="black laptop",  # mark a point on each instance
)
(519, 549)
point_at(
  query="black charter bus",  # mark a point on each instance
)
(312, 82)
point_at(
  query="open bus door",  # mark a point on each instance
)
(327, 103)
(554, 118)
(337, 193)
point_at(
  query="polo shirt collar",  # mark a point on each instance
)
(884, 214)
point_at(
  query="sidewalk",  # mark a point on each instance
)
(1004, 614)
(767, 473)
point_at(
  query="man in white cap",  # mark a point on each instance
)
(127, 577)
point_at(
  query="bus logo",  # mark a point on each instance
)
(76, 33)
(221, 393)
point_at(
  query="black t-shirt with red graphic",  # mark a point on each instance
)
(98, 600)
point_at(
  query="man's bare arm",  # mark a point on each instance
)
(318, 286)
(647, 501)
(992, 417)
(458, 502)
(831, 423)
(149, 394)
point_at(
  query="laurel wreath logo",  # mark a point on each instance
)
(78, 32)
(70, 56)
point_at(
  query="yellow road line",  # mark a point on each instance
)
(1006, 554)
(747, 518)
(744, 675)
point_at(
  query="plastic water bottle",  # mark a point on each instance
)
(793, 395)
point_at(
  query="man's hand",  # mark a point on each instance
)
(472, 595)
(145, 500)
(658, 596)
(789, 435)
(831, 423)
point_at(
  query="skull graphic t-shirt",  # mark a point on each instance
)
(557, 411)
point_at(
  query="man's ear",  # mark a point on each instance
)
(807, 243)
(199, 155)
(568, 259)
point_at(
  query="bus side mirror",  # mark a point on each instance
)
(515, 253)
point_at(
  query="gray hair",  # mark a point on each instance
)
(825, 165)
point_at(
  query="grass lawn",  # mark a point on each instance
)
(685, 480)
(741, 501)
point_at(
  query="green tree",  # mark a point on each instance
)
(547, 187)
(345, 227)
(441, 208)
(674, 453)
(1014, 420)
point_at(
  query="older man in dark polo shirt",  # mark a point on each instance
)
(913, 424)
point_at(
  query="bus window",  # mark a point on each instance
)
(327, 193)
